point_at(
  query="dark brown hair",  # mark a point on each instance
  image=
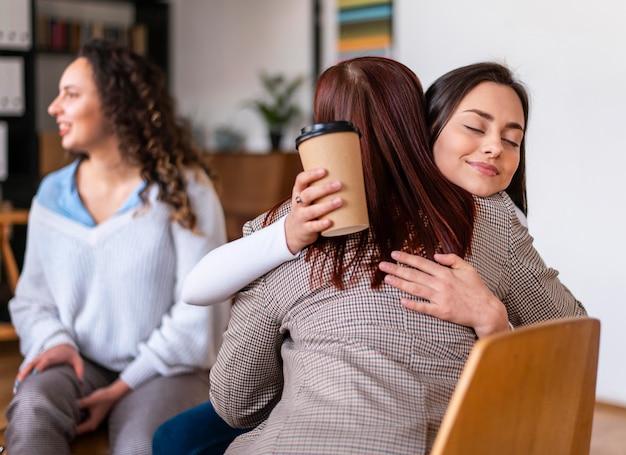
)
(135, 99)
(445, 94)
(411, 205)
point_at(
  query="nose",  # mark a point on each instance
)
(54, 107)
(492, 144)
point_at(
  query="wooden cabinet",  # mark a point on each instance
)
(249, 184)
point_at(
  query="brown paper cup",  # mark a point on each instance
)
(335, 147)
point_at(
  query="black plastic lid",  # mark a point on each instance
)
(324, 128)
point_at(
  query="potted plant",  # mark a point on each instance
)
(277, 107)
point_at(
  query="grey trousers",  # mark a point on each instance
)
(43, 414)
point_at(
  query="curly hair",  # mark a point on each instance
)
(135, 98)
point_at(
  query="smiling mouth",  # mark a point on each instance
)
(484, 168)
(63, 128)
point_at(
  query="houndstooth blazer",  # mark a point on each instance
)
(323, 371)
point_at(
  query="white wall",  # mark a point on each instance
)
(572, 56)
(220, 47)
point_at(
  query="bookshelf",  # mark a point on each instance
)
(62, 26)
(19, 142)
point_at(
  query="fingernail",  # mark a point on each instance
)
(395, 254)
(336, 184)
(35, 371)
(383, 266)
(337, 201)
(15, 386)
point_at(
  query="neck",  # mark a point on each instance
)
(108, 166)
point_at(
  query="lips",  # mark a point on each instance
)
(63, 128)
(484, 168)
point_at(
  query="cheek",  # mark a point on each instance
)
(443, 160)
(512, 163)
(92, 121)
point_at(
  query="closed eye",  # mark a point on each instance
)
(471, 128)
(511, 142)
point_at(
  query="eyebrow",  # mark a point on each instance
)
(489, 117)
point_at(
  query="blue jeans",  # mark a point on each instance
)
(197, 431)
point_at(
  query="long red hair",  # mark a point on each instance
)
(411, 206)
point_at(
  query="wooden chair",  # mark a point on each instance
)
(8, 218)
(530, 391)
(10, 357)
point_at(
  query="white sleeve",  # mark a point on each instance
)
(232, 266)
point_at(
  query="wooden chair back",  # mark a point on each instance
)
(9, 218)
(529, 391)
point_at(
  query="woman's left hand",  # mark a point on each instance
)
(98, 404)
(454, 290)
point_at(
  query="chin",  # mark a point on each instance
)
(482, 192)
(66, 143)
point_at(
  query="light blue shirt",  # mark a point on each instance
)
(58, 193)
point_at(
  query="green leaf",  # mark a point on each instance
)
(278, 109)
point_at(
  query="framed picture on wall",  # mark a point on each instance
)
(364, 28)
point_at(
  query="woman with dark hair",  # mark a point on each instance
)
(110, 238)
(478, 118)
(448, 91)
(199, 430)
(336, 365)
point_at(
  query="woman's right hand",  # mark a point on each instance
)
(453, 289)
(58, 355)
(304, 223)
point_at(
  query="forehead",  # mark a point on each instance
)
(78, 74)
(495, 99)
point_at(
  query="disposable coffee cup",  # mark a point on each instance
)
(336, 147)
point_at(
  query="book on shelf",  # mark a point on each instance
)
(42, 32)
(55, 34)
(58, 35)
(74, 36)
(138, 39)
(97, 30)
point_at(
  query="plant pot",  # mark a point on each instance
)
(275, 139)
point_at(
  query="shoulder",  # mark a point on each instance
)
(497, 208)
(497, 224)
(197, 181)
(494, 221)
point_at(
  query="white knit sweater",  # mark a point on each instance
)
(113, 290)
